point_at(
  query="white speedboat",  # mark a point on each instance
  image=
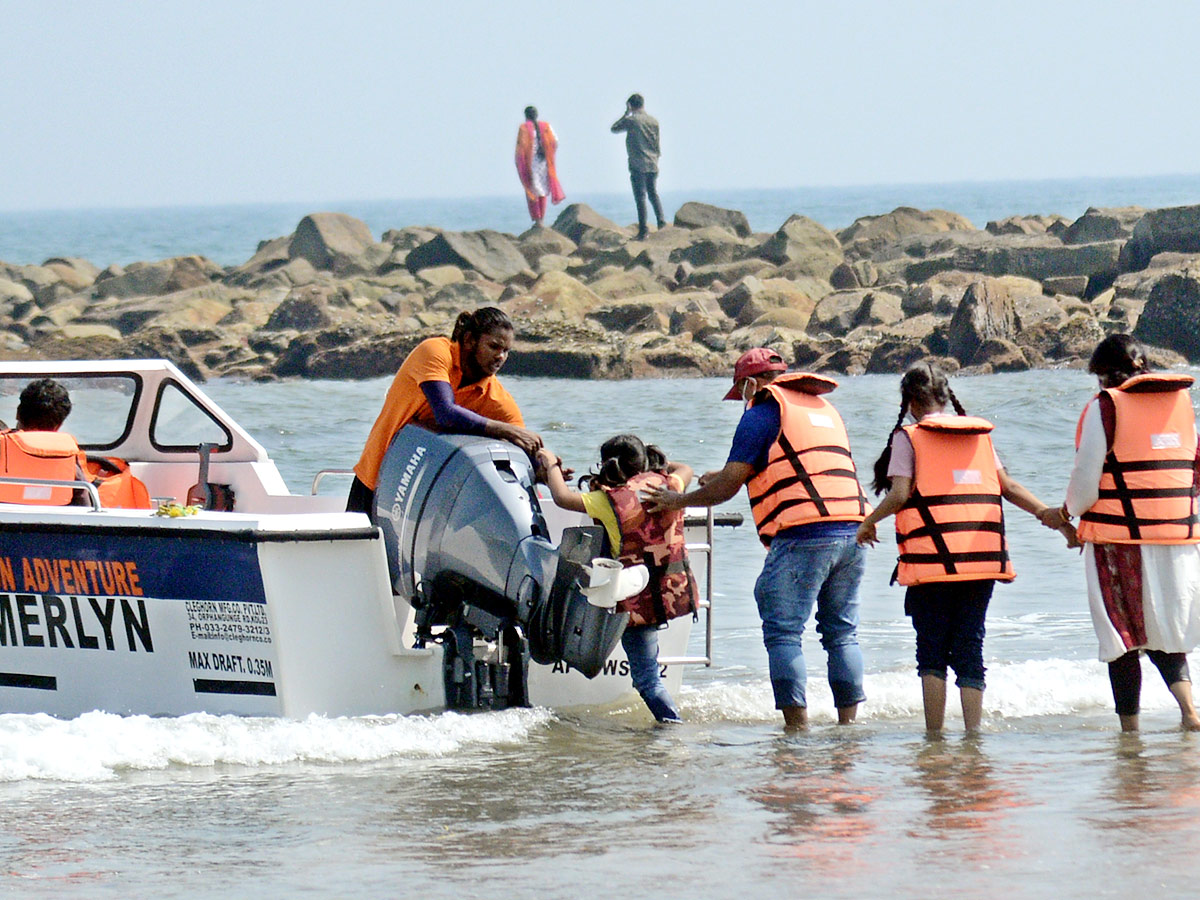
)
(468, 594)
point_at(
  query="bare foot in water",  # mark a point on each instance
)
(795, 718)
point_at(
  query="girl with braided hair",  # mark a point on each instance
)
(944, 483)
(613, 498)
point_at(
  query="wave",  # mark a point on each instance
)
(99, 746)
(1015, 690)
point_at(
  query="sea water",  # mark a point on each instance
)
(1048, 801)
(229, 234)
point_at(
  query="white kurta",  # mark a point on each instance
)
(1170, 572)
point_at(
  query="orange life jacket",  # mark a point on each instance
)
(117, 486)
(655, 540)
(1146, 484)
(48, 455)
(810, 475)
(952, 527)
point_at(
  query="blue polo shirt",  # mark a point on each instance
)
(756, 432)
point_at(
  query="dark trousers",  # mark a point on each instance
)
(645, 185)
(948, 617)
(1125, 675)
(361, 499)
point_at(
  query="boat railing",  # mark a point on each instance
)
(709, 521)
(92, 493)
(320, 476)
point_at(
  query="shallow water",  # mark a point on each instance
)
(602, 802)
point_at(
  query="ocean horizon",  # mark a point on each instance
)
(229, 234)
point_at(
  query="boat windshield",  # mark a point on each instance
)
(101, 405)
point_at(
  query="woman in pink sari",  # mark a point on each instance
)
(536, 145)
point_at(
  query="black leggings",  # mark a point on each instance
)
(1125, 675)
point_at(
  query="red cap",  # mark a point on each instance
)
(754, 362)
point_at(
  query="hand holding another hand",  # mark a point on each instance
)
(1053, 517)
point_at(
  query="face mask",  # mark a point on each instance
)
(749, 389)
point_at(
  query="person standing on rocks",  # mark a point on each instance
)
(447, 384)
(536, 148)
(641, 144)
(792, 453)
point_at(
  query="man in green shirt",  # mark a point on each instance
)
(641, 143)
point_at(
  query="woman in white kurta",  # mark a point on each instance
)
(1143, 596)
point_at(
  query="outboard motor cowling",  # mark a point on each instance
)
(468, 547)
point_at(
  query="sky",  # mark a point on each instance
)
(126, 104)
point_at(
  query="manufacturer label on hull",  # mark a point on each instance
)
(165, 624)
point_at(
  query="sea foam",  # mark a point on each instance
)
(1015, 690)
(98, 746)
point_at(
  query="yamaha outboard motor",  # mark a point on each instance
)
(469, 548)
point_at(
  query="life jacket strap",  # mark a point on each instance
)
(943, 556)
(802, 474)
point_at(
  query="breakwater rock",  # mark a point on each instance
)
(590, 301)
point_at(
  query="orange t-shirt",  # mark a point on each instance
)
(435, 359)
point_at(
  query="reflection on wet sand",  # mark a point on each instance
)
(965, 800)
(822, 805)
(1150, 790)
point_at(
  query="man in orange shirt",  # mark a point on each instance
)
(447, 385)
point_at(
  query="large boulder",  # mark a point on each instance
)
(752, 297)
(1035, 224)
(1171, 317)
(725, 273)
(631, 283)
(271, 255)
(555, 296)
(410, 236)
(835, 314)
(1043, 257)
(541, 241)
(703, 215)
(648, 312)
(986, 312)
(709, 246)
(576, 220)
(1111, 224)
(77, 274)
(869, 234)
(305, 309)
(151, 279)
(493, 255)
(1174, 229)
(807, 247)
(335, 242)
(202, 306)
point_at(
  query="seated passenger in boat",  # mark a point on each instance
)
(447, 385)
(37, 449)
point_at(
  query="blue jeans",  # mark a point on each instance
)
(641, 646)
(798, 574)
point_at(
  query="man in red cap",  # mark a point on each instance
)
(792, 453)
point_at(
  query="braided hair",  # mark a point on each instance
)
(484, 320)
(923, 385)
(531, 115)
(621, 458)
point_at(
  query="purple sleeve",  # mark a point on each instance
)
(448, 414)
